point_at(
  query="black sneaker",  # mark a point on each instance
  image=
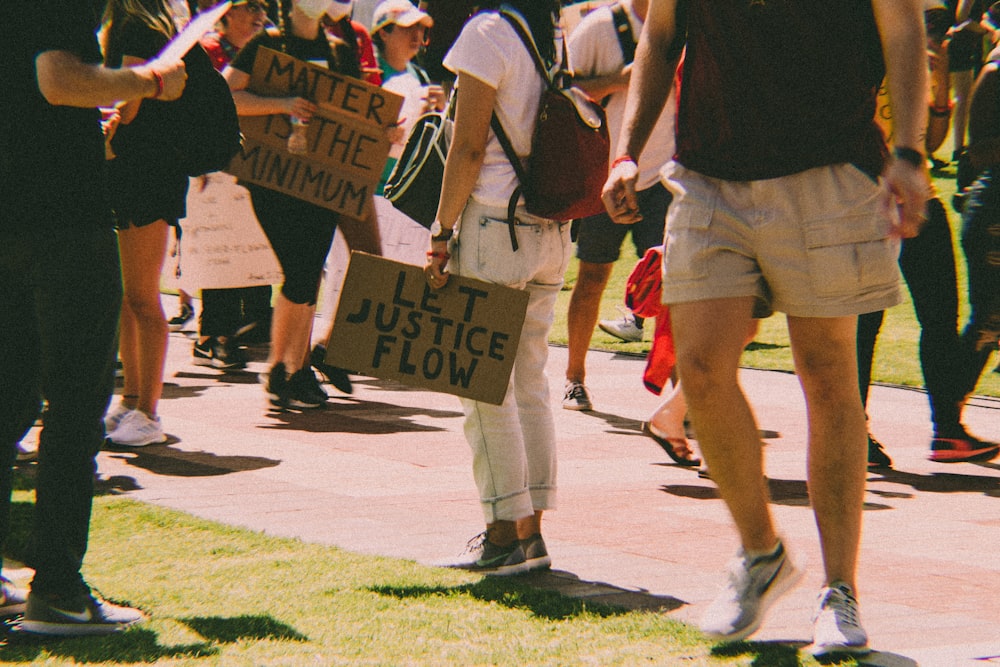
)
(304, 390)
(276, 385)
(493, 560)
(877, 458)
(84, 614)
(201, 353)
(183, 316)
(217, 354)
(338, 377)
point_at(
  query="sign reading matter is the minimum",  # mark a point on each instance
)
(347, 144)
(460, 339)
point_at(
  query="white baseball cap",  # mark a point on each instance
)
(400, 12)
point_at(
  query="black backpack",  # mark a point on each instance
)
(195, 134)
(204, 127)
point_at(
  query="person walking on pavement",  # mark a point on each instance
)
(513, 444)
(59, 265)
(602, 71)
(782, 190)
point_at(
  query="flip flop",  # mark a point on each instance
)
(669, 444)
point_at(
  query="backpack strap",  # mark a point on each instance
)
(522, 176)
(623, 29)
(501, 134)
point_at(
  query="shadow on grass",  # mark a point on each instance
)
(230, 630)
(553, 595)
(786, 654)
(141, 645)
(137, 645)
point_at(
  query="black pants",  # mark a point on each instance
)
(60, 303)
(981, 243)
(927, 262)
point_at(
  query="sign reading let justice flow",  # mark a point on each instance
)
(346, 136)
(460, 339)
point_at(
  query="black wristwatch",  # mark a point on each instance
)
(439, 233)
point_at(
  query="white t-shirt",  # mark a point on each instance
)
(594, 51)
(489, 50)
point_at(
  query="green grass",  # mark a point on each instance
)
(226, 596)
(896, 360)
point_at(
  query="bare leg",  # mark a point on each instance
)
(143, 343)
(291, 331)
(582, 315)
(961, 85)
(824, 350)
(727, 431)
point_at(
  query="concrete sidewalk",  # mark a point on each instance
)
(387, 471)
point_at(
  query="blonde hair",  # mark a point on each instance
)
(155, 14)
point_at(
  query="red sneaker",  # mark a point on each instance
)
(960, 450)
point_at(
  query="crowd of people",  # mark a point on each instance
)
(751, 161)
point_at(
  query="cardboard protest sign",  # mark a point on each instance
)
(460, 339)
(224, 245)
(346, 136)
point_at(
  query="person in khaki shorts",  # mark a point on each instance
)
(783, 190)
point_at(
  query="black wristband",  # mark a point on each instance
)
(914, 157)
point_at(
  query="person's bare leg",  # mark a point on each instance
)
(824, 350)
(291, 328)
(529, 525)
(961, 85)
(145, 344)
(707, 364)
(582, 314)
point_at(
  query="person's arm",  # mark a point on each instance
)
(939, 119)
(474, 109)
(251, 104)
(901, 28)
(656, 58)
(984, 110)
(65, 80)
(599, 87)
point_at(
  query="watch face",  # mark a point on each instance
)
(435, 228)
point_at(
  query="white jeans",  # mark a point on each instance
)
(514, 444)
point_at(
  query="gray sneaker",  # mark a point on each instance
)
(837, 625)
(752, 588)
(493, 560)
(536, 556)
(83, 614)
(576, 397)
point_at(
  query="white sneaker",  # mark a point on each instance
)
(837, 625)
(625, 328)
(754, 585)
(138, 430)
(114, 417)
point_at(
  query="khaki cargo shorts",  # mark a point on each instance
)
(813, 244)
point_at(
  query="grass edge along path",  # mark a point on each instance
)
(226, 596)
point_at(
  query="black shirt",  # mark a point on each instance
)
(51, 157)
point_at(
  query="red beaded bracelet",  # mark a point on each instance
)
(620, 160)
(159, 83)
(437, 255)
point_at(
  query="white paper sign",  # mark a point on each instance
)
(222, 245)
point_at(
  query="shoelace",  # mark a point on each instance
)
(843, 604)
(576, 390)
(477, 543)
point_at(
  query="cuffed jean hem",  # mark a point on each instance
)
(519, 505)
